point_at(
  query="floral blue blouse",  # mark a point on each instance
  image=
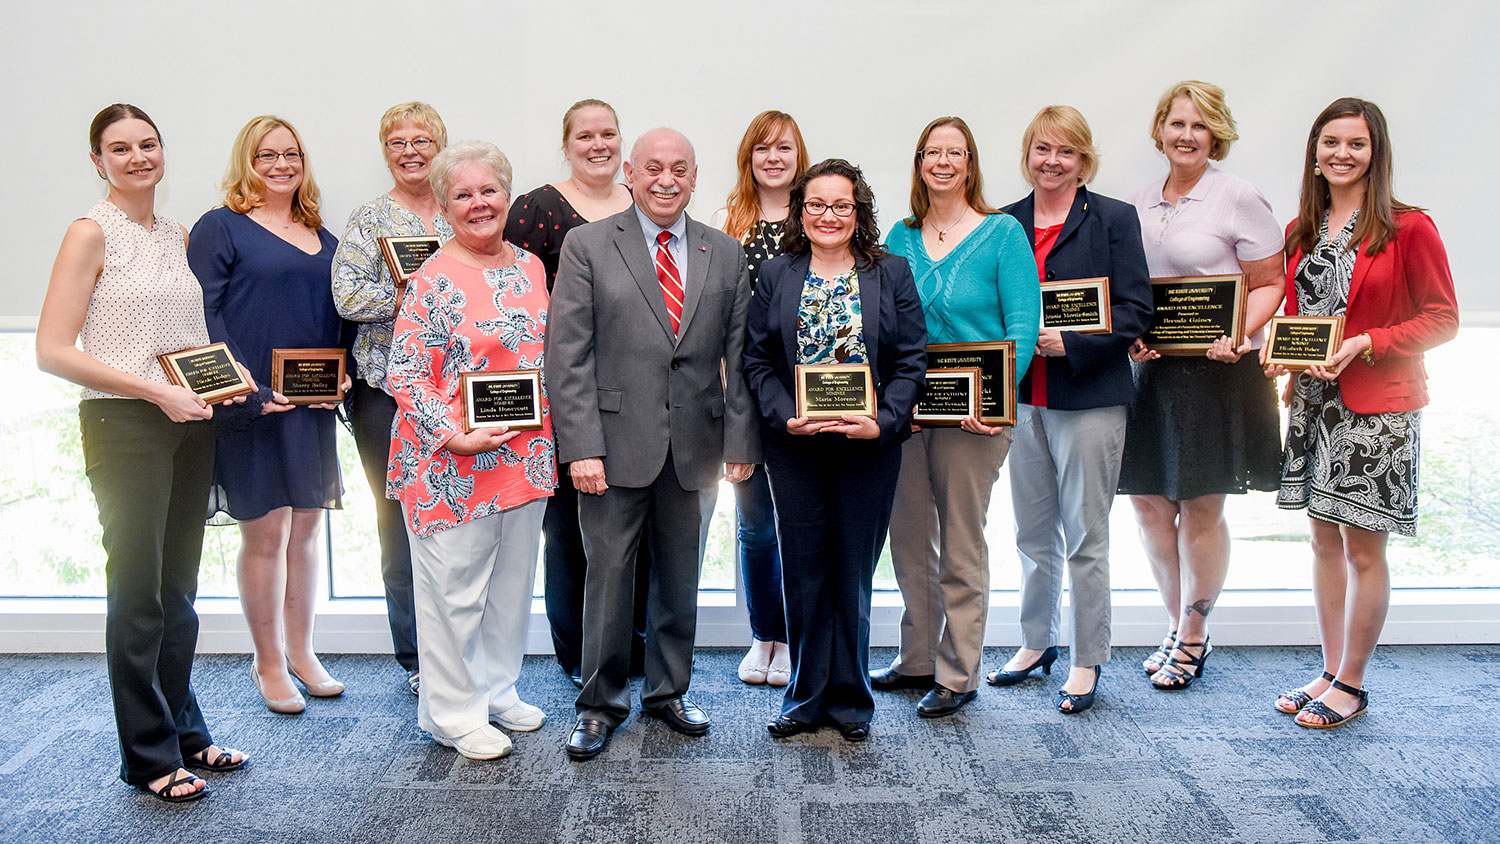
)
(829, 326)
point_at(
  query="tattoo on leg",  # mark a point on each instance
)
(1200, 607)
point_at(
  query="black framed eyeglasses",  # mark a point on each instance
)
(839, 209)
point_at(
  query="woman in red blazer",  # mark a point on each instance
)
(1352, 436)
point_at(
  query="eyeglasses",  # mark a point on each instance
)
(400, 144)
(839, 209)
(933, 153)
(265, 156)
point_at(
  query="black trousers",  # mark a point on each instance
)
(676, 520)
(833, 507)
(371, 412)
(565, 567)
(150, 478)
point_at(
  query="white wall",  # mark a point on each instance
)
(861, 77)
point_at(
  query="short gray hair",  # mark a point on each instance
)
(460, 155)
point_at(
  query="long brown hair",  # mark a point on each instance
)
(973, 188)
(865, 244)
(1377, 214)
(744, 200)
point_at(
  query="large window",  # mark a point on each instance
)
(51, 533)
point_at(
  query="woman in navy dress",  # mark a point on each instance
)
(264, 262)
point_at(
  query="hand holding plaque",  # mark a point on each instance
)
(308, 376)
(510, 398)
(1299, 342)
(835, 390)
(1080, 305)
(210, 371)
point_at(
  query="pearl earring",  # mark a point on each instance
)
(1317, 171)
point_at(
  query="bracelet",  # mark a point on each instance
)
(1369, 351)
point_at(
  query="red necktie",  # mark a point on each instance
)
(671, 280)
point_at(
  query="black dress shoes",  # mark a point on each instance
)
(856, 731)
(682, 715)
(577, 680)
(784, 727)
(889, 680)
(587, 739)
(943, 701)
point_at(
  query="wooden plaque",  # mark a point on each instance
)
(1192, 312)
(834, 390)
(308, 376)
(1297, 342)
(209, 371)
(949, 396)
(405, 255)
(996, 361)
(511, 398)
(1080, 305)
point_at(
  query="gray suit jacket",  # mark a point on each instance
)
(621, 386)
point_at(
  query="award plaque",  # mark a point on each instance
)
(1192, 312)
(949, 397)
(997, 365)
(308, 376)
(1297, 342)
(834, 390)
(1080, 305)
(209, 371)
(512, 398)
(405, 255)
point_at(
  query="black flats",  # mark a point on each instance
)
(784, 727)
(1002, 677)
(1078, 703)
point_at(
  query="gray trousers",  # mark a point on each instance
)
(1064, 468)
(938, 551)
(675, 522)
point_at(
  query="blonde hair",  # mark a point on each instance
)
(460, 154)
(244, 188)
(579, 106)
(1065, 125)
(419, 113)
(744, 200)
(1209, 99)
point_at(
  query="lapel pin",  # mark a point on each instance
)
(703, 249)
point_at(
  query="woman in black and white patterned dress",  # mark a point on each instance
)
(1352, 438)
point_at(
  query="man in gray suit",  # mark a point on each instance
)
(650, 410)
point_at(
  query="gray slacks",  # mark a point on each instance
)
(676, 522)
(1064, 468)
(939, 552)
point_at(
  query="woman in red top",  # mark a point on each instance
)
(1352, 437)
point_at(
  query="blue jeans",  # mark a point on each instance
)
(760, 557)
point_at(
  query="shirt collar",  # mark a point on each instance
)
(650, 229)
(1199, 191)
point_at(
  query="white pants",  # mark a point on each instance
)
(473, 604)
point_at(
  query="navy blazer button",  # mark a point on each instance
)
(676, 364)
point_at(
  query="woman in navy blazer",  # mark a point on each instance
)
(1070, 421)
(835, 296)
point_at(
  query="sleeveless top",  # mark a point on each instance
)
(146, 301)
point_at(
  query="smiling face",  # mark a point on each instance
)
(130, 155)
(410, 166)
(1053, 165)
(662, 174)
(1185, 137)
(947, 171)
(593, 145)
(475, 206)
(1344, 151)
(828, 230)
(282, 175)
(773, 161)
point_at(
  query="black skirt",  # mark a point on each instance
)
(1200, 427)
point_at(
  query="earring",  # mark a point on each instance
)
(101, 174)
(1317, 171)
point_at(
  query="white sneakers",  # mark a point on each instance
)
(483, 743)
(521, 718)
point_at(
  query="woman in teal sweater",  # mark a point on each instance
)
(978, 282)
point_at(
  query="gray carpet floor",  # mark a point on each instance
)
(1212, 764)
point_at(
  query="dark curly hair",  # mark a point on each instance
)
(866, 244)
